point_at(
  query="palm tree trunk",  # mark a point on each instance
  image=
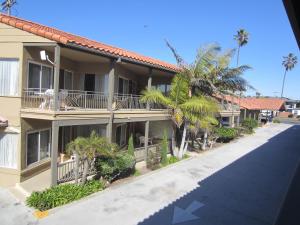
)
(238, 56)
(204, 140)
(76, 168)
(173, 140)
(283, 82)
(180, 154)
(85, 171)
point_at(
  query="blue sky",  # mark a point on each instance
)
(142, 26)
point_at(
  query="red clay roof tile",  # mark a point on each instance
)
(66, 38)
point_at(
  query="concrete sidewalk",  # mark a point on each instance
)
(239, 183)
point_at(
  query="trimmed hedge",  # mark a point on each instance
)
(122, 165)
(226, 134)
(62, 194)
(249, 125)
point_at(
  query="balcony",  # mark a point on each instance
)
(72, 100)
(68, 99)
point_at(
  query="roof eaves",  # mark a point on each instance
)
(115, 56)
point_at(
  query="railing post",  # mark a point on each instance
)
(146, 139)
(149, 85)
(85, 93)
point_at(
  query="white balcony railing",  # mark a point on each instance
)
(68, 99)
(81, 100)
(130, 101)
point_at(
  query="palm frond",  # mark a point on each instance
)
(156, 96)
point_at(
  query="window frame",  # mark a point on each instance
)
(39, 145)
(41, 71)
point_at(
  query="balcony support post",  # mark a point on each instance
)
(149, 85)
(56, 78)
(54, 152)
(111, 90)
(146, 139)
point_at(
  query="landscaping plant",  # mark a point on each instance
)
(164, 149)
(130, 146)
(62, 194)
(249, 125)
(86, 149)
(112, 168)
(226, 134)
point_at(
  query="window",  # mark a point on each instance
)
(164, 88)
(40, 77)
(89, 83)
(121, 135)
(65, 80)
(8, 150)
(38, 146)
(123, 86)
(9, 77)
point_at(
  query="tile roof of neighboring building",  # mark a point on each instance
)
(260, 103)
(67, 38)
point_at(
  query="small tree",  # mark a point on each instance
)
(164, 149)
(130, 146)
(86, 149)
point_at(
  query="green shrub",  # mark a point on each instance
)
(249, 125)
(164, 149)
(226, 134)
(130, 146)
(137, 173)
(276, 121)
(173, 159)
(112, 168)
(62, 194)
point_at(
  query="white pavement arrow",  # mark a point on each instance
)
(182, 215)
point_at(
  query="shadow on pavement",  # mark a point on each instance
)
(248, 191)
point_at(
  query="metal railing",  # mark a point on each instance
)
(67, 99)
(130, 101)
(229, 107)
(66, 171)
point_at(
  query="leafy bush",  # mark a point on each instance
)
(290, 116)
(173, 159)
(62, 194)
(112, 168)
(276, 121)
(164, 149)
(249, 125)
(130, 146)
(226, 134)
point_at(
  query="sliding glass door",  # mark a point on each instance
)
(38, 146)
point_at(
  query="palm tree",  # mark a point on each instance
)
(242, 39)
(210, 75)
(185, 110)
(289, 63)
(86, 149)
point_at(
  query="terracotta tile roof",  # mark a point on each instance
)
(260, 103)
(67, 38)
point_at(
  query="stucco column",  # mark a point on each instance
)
(146, 139)
(56, 104)
(149, 85)
(111, 90)
(245, 113)
(54, 152)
